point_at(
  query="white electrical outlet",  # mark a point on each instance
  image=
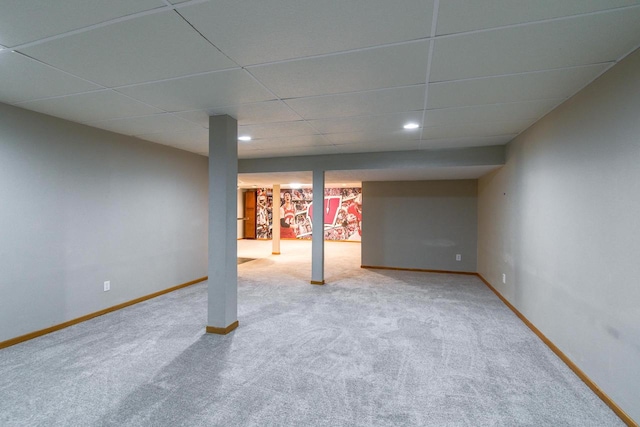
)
(107, 286)
(458, 257)
(504, 278)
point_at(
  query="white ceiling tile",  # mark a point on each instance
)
(512, 111)
(147, 48)
(246, 114)
(475, 130)
(91, 107)
(378, 146)
(199, 117)
(521, 87)
(24, 79)
(258, 31)
(466, 142)
(373, 136)
(28, 20)
(259, 112)
(381, 101)
(378, 124)
(324, 60)
(285, 142)
(195, 140)
(455, 16)
(202, 92)
(566, 43)
(377, 68)
(290, 151)
(252, 154)
(276, 130)
(157, 123)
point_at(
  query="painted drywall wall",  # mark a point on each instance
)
(562, 220)
(420, 224)
(80, 206)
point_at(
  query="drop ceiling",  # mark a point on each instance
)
(310, 77)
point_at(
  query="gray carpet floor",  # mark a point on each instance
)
(370, 348)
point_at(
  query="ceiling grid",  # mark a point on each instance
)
(306, 78)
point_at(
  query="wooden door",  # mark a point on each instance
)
(250, 214)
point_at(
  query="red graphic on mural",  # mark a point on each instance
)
(331, 206)
(342, 213)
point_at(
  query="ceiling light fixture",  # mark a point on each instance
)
(244, 138)
(411, 126)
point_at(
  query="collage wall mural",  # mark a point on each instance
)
(342, 213)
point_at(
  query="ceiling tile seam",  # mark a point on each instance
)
(539, 21)
(350, 92)
(272, 123)
(577, 91)
(67, 95)
(288, 106)
(201, 73)
(140, 116)
(531, 119)
(470, 137)
(422, 39)
(519, 73)
(103, 24)
(265, 124)
(558, 98)
(31, 58)
(194, 2)
(434, 24)
(168, 79)
(377, 142)
(337, 53)
(547, 112)
(141, 102)
(493, 122)
(361, 116)
(213, 112)
(206, 39)
(174, 114)
(580, 88)
(627, 53)
(170, 132)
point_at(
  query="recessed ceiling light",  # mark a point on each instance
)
(411, 126)
(244, 138)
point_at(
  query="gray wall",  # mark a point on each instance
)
(420, 224)
(79, 206)
(562, 220)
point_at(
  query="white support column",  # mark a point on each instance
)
(275, 215)
(317, 238)
(223, 246)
